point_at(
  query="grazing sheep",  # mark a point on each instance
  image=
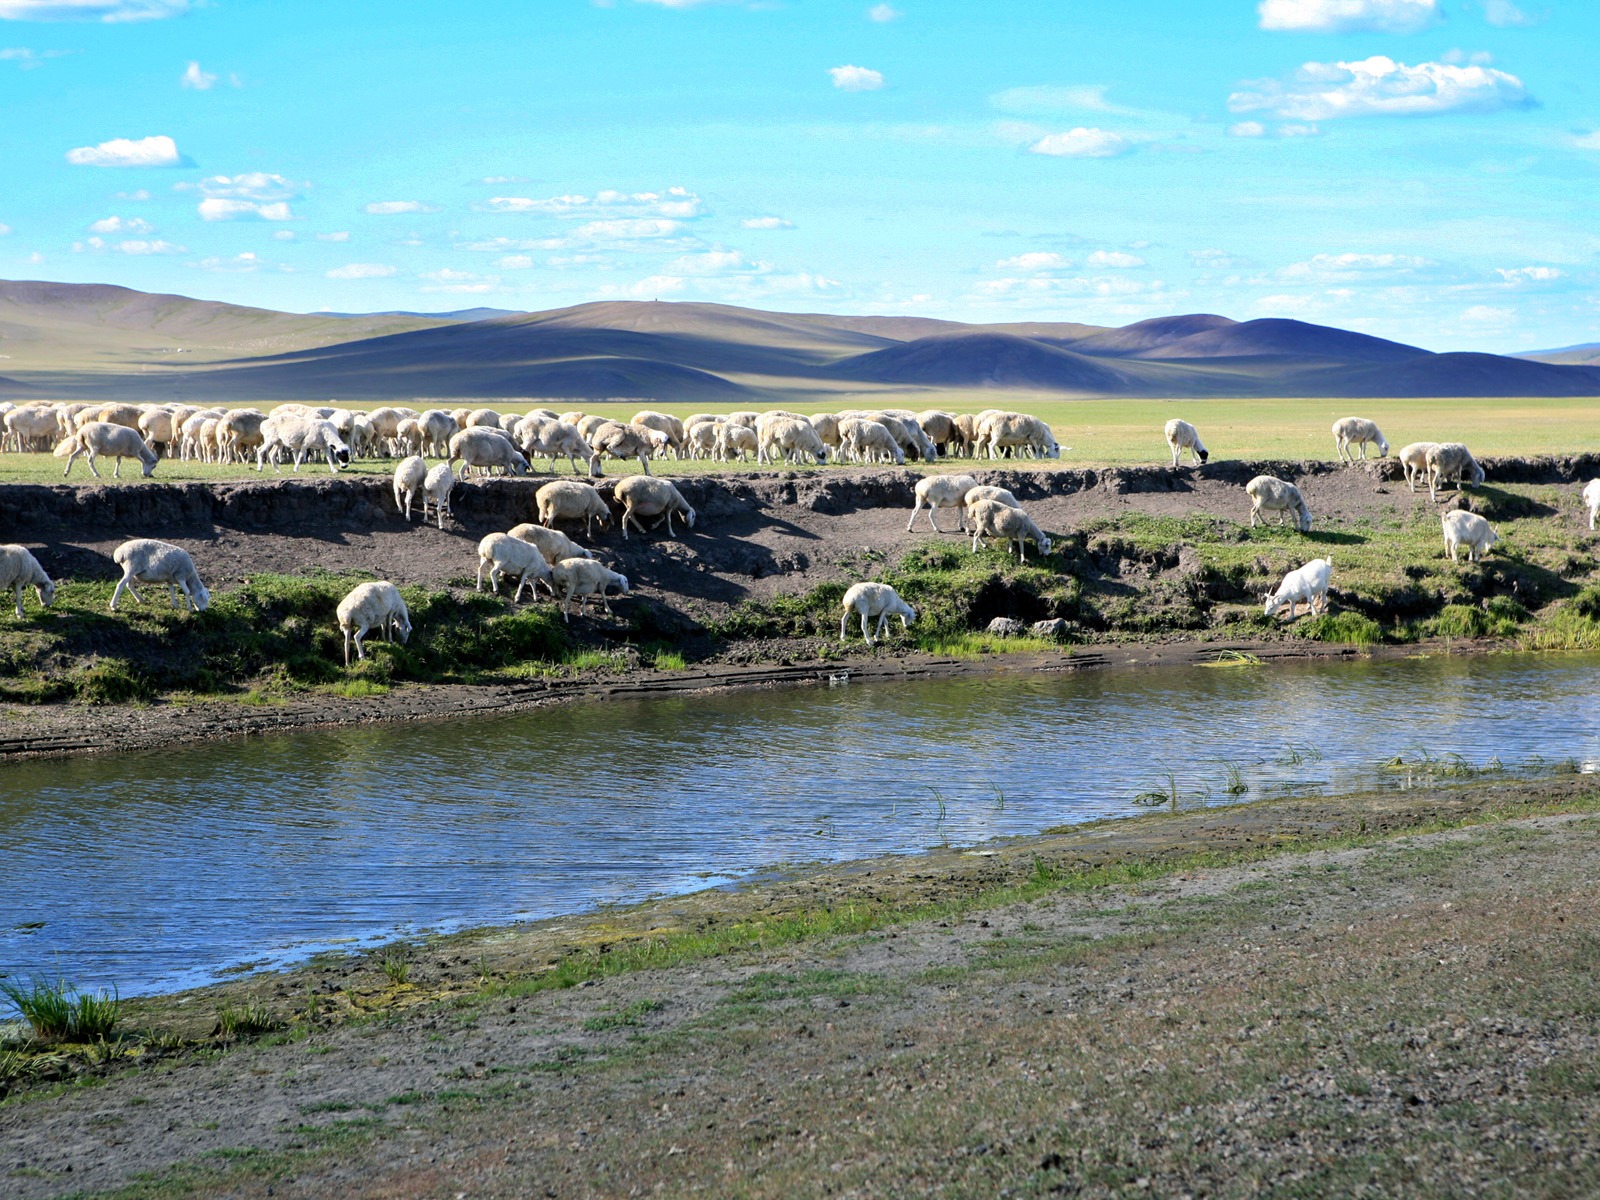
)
(1414, 459)
(238, 431)
(794, 438)
(486, 449)
(409, 476)
(31, 429)
(145, 560)
(1591, 497)
(1462, 528)
(1451, 460)
(827, 427)
(552, 543)
(670, 427)
(966, 434)
(1269, 495)
(700, 439)
(501, 555)
(386, 425)
(992, 519)
(1016, 431)
(193, 444)
(157, 427)
(940, 427)
(747, 419)
(942, 491)
(869, 441)
(19, 569)
(438, 427)
(990, 492)
(557, 439)
(622, 442)
(569, 500)
(642, 496)
(408, 436)
(874, 602)
(483, 418)
(97, 438)
(1308, 583)
(1357, 431)
(917, 438)
(436, 488)
(1183, 436)
(583, 578)
(373, 606)
(302, 437)
(735, 439)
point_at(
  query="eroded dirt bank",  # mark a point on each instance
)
(1161, 1005)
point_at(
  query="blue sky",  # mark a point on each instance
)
(1419, 169)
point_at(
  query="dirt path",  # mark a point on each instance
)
(1411, 1016)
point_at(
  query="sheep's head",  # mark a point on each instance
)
(402, 626)
(1477, 473)
(46, 592)
(1303, 521)
(688, 516)
(199, 597)
(1044, 543)
(1383, 447)
(1205, 455)
(1273, 604)
(621, 582)
(147, 464)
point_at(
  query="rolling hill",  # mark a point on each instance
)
(86, 340)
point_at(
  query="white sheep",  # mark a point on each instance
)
(500, 555)
(700, 438)
(569, 500)
(409, 476)
(874, 602)
(486, 448)
(869, 441)
(552, 543)
(1451, 460)
(1269, 495)
(19, 569)
(1591, 497)
(302, 437)
(735, 439)
(1462, 528)
(622, 442)
(1183, 436)
(438, 427)
(97, 438)
(992, 519)
(145, 560)
(583, 578)
(1357, 431)
(373, 606)
(1414, 460)
(557, 439)
(988, 491)
(436, 488)
(942, 491)
(1308, 583)
(1016, 431)
(794, 438)
(643, 496)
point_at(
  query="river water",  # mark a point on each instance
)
(159, 870)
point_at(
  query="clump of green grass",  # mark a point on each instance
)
(245, 1020)
(624, 1017)
(60, 1012)
(1350, 628)
(396, 964)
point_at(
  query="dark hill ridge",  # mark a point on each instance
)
(100, 341)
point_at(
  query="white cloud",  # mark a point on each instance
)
(239, 262)
(1348, 16)
(856, 79)
(1587, 141)
(628, 229)
(283, 235)
(214, 209)
(884, 13)
(504, 179)
(1048, 98)
(1102, 259)
(1293, 131)
(1483, 314)
(1516, 275)
(122, 225)
(138, 194)
(1035, 260)
(514, 262)
(1038, 286)
(1082, 143)
(1503, 12)
(1380, 86)
(194, 77)
(4, 229)
(252, 185)
(135, 247)
(27, 59)
(765, 223)
(717, 262)
(676, 203)
(386, 208)
(448, 280)
(361, 271)
(341, 235)
(1247, 129)
(125, 152)
(1212, 259)
(91, 10)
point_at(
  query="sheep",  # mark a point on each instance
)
(1017, 431)
(908, 436)
(1414, 460)
(745, 418)
(145, 560)
(386, 424)
(620, 441)
(917, 438)
(942, 491)
(501, 554)
(794, 438)
(700, 439)
(1269, 495)
(827, 427)
(373, 606)
(96, 438)
(645, 497)
(126, 415)
(480, 446)
(408, 436)
(874, 601)
(569, 500)
(869, 441)
(1357, 431)
(735, 439)
(438, 427)
(966, 433)
(587, 425)
(1308, 583)
(156, 425)
(31, 428)
(1462, 528)
(992, 519)
(1451, 460)
(940, 427)
(1591, 497)
(238, 431)
(583, 577)
(436, 488)
(19, 569)
(302, 437)
(556, 439)
(409, 476)
(990, 492)
(662, 423)
(1183, 436)
(193, 444)
(483, 418)
(552, 543)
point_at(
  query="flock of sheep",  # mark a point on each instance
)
(536, 554)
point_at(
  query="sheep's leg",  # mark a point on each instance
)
(669, 524)
(92, 469)
(843, 621)
(116, 471)
(517, 595)
(346, 629)
(361, 651)
(865, 631)
(645, 463)
(19, 601)
(932, 524)
(478, 587)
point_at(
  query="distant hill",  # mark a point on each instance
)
(1585, 355)
(92, 340)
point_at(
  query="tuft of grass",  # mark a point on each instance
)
(396, 964)
(623, 1017)
(60, 1012)
(1346, 627)
(245, 1020)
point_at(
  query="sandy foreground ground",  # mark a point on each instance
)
(1183, 1004)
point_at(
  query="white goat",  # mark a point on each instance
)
(1462, 528)
(1357, 431)
(1270, 495)
(19, 569)
(1183, 436)
(145, 560)
(1308, 583)
(1591, 497)
(874, 602)
(373, 606)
